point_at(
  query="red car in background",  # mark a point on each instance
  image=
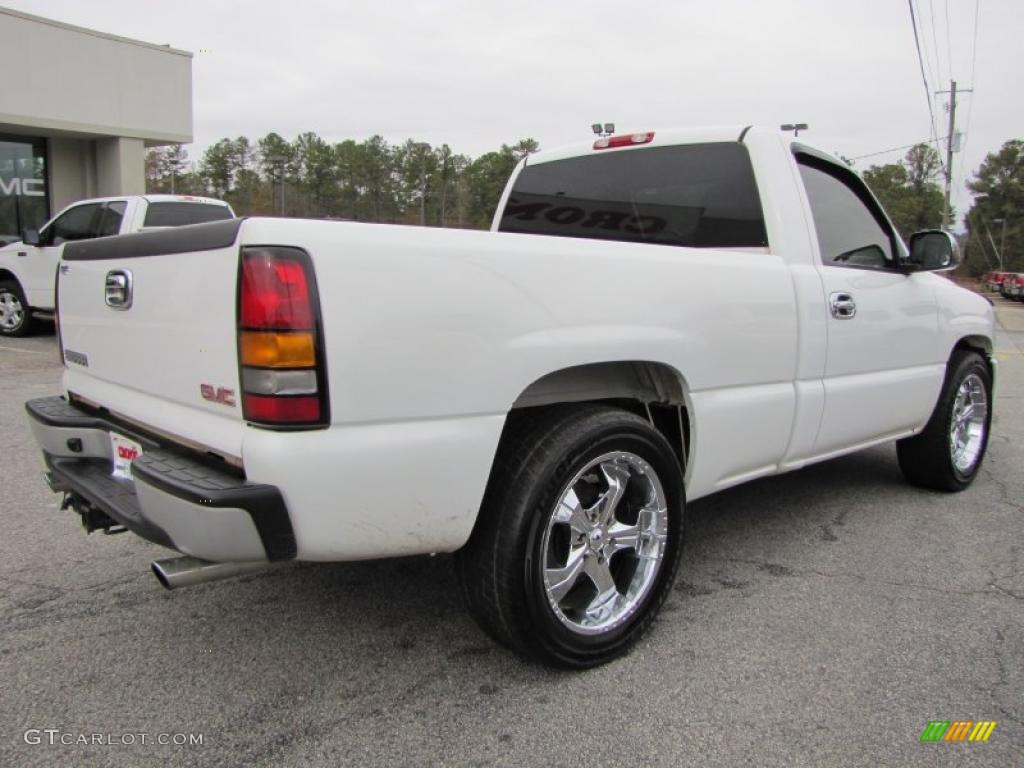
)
(1012, 286)
(994, 280)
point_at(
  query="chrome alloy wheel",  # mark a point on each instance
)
(967, 427)
(604, 543)
(12, 313)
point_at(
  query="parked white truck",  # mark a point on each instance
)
(656, 317)
(27, 267)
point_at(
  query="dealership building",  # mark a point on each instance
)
(78, 108)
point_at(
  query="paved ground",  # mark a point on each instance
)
(822, 618)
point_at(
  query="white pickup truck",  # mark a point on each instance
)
(656, 317)
(27, 267)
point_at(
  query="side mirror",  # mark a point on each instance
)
(932, 250)
(30, 237)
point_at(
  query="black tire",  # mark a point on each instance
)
(10, 292)
(501, 568)
(927, 458)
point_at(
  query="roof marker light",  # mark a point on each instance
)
(624, 140)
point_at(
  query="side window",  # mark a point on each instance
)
(110, 218)
(851, 231)
(75, 224)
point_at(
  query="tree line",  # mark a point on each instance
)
(416, 183)
(372, 180)
(911, 194)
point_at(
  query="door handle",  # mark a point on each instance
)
(842, 305)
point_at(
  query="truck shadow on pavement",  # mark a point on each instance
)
(382, 612)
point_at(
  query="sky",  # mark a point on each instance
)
(475, 73)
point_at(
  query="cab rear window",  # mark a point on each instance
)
(697, 195)
(171, 214)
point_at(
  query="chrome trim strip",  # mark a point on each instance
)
(184, 442)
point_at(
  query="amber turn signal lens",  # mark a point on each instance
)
(278, 350)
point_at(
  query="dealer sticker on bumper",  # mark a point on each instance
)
(124, 451)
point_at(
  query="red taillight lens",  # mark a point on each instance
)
(274, 293)
(281, 410)
(625, 140)
(280, 344)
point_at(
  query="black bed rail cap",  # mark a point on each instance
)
(159, 242)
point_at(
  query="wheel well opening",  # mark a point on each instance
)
(653, 391)
(980, 344)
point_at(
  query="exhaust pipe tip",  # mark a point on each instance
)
(157, 567)
(177, 572)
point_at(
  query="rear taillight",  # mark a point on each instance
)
(625, 140)
(283, 372)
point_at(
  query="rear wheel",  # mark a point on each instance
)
(15, 317)
(579, 536)
(947, 454)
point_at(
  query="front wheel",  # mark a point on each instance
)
(15, 317)
(947, 454)
(579, 537)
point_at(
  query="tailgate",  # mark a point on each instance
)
(147, 325)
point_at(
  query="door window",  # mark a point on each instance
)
(78, 223)
(852, 230)
(110, 218)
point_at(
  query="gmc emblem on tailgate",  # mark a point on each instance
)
(222, 395)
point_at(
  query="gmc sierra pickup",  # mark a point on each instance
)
(657, 316)
(27, 267)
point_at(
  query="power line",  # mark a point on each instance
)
(929, 71)
(938, 73)
(935, 44)
(920, 61)
(930, 68)
(895, 149)
(970, 105)
(949, 44)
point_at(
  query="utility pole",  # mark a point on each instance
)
(423, 191)
(949, 151)
(445, 152)
(280, 173)
(951, 138)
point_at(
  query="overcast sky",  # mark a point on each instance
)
(476, 73)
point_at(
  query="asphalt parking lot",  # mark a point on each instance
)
(821, 618)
